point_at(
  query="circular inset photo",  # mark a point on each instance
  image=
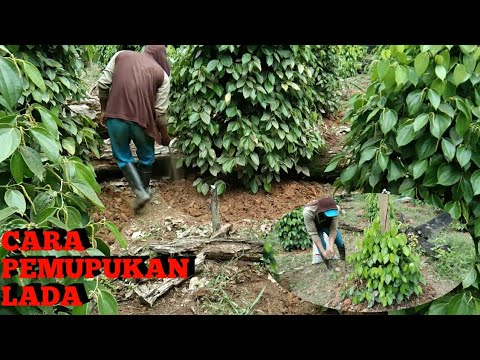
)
(371, 252)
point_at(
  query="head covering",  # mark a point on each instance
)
(327, 206)
(159, 54)
(155, 51)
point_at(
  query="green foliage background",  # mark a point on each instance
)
(251, 110)
(45, 179)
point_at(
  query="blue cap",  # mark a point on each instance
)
(331, 213)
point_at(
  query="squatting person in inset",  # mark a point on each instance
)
(134, 90)
(321, 220)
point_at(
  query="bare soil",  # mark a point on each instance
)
(232, 289)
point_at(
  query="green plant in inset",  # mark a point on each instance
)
(46, 78)
(372, 208)
(386, 268)
(290, 230)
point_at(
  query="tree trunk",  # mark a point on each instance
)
(214, 249)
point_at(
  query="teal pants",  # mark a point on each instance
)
(121, 133)
(338, 239)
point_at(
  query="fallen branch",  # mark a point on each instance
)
(150, 292)
(182, 246)
(224, 230)
(220, 248)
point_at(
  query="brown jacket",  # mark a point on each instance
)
(135, 80)
(314, 218)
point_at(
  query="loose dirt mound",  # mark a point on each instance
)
(237, 204)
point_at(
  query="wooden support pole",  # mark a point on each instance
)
(215, 210)
(384, 213)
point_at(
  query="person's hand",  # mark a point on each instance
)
(330, 253)
(164, 134)
(166, 140)
(101, 121)
(324, 254)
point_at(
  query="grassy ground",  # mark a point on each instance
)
(454, 264)
(221, 301)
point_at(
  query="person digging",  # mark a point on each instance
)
(134, 90)
(321, 218)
